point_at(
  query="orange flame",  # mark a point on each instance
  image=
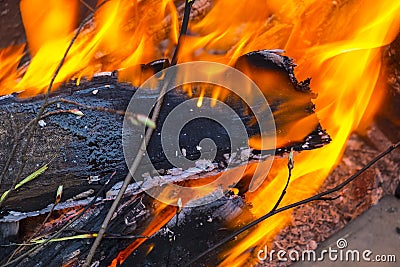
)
(9, 60)
(337, 43)
(43, 27)
(121, 36)
(163, 214)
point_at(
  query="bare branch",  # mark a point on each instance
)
(320, 196)
(290, 166)
(142, 148)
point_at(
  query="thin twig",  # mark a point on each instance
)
(108, 235)
(87, 5)
(330, 198)
(143, 145)
(320, 196)
(126, 183)
(290, 166)
(108, 110)
(185, 24)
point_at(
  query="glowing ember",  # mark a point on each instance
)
(164, 214)
(337, 43)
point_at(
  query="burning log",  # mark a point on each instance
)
(130, 226)
(85, 150)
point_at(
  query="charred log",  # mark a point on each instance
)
(85, 150)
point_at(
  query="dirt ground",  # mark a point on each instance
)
(315, 222)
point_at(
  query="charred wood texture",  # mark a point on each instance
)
(183, 237)
(388, 117)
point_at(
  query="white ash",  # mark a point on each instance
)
(245, 154)
(205, 165)
(42, 123)
(104, 73)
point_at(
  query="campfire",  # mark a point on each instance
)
(314, 68)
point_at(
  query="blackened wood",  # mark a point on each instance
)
(190, 231)
(84, 151)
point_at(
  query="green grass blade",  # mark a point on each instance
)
(32, 176)
(3, 196)
(82, 236)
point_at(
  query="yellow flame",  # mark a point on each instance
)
(337, 43)
(200, 100)
(121, 35)
(9, 60)
(339, 47)
(42, 27)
